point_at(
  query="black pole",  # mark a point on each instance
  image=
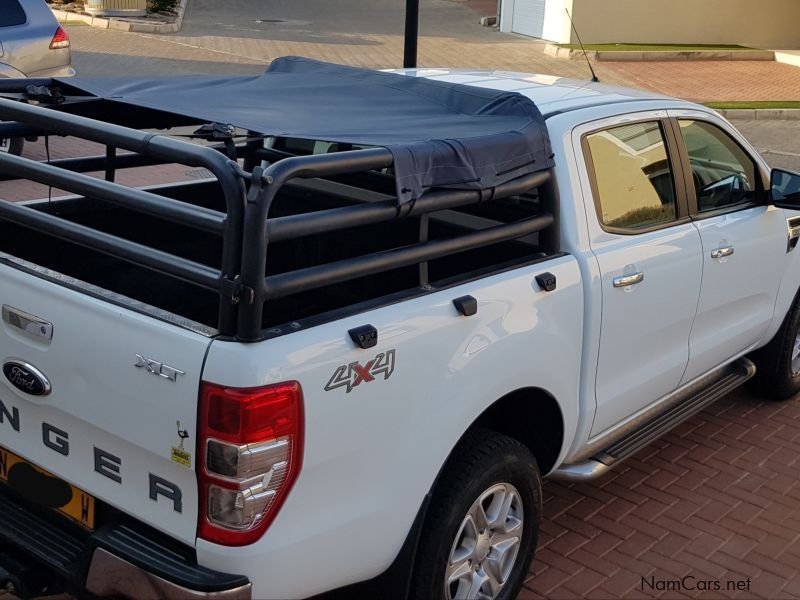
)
(412, 34)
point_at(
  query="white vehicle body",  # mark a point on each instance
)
(372, 452)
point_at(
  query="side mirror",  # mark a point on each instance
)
(785, 189)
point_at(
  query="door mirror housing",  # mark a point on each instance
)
(785, 189)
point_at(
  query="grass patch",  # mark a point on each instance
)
(73, 22)
(753, 104)
(654, 47)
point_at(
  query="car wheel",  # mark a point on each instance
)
(778, 363)
(12, 145)
(482, 526)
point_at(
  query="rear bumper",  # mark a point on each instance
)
(110, 575)
(127, 560)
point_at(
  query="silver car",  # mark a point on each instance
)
(32, 44)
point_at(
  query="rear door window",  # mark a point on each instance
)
(633, 180)
(11, 13)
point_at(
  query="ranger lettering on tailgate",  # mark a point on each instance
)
(105, 463)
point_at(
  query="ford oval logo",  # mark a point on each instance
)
(26, 378)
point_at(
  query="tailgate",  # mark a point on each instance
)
(107, 426)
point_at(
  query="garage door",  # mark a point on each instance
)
(528, 17)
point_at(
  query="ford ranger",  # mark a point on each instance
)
(348, 354)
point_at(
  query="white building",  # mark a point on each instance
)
(763, 23)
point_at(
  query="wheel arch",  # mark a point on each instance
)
(532, 416)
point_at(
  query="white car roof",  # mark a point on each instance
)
(552, 94)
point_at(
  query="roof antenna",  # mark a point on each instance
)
(586, 56)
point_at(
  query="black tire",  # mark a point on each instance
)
(774, 377)
(482, 460)
(12, 146)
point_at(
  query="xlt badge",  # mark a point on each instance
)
(26, 378)
(155, 367)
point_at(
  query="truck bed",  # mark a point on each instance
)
(200, 305)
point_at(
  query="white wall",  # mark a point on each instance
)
(764, 23)
(556, 24)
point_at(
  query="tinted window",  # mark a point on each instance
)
(11, 13)
(724, 175)
(633, 179)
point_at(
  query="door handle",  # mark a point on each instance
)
(722, 252)
(626, 280)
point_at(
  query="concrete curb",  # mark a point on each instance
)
(123, 23)
(668, 55)
(761, 114)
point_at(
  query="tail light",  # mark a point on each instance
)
(60, 39)
(250, 453)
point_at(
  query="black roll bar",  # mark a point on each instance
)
(259, 230)
(277, 286)
(264, 187)
(114, 193)
(294, 226)
(224, 169)
(127, 250)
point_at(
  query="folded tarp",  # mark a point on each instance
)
(440, 134)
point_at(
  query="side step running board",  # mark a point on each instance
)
(621, 448)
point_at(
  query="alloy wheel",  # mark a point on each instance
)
(486, 545)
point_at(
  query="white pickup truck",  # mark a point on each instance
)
(328, 365)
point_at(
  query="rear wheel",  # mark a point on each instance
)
(778, 363)
(482, 526)
(12, 145)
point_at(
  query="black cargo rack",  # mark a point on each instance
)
(246, 228)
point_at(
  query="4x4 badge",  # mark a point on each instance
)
(352, 375)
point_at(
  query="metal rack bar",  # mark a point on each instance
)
(264, 187)
(167, 149)
(132, 252)
(294, 226)
(260, 231)
(277, 286)
(114, 193)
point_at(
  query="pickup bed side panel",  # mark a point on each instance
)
(371, 454)
(112, 426)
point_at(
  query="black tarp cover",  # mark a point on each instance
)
(440, 134)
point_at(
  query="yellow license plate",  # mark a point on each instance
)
(45, 489)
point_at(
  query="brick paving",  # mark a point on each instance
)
(716, 501)
(706, 81)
